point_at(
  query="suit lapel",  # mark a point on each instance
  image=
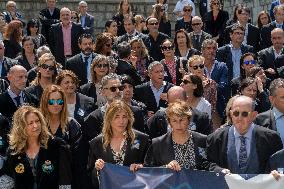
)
(151, 95)
(272, 121)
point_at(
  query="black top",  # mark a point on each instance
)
(154, 46)
(12, 48)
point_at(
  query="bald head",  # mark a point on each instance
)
(243, 101)
(196, 24)
(176, 93)
(277, 38)
(16, 68)
(18, 78)
(196, 18)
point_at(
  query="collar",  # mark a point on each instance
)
(12, 94)
(200, 33)
(248, 135)
(277, 113)
(163, 85)
(83, 55)
(233, 48)
(104, 107)
(69, 25)
(133, 34)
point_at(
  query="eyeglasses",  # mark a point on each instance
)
(243, 114)
(162, 10)
(113, 89)
(108, 44)
(187, 10)
(196, 24)
(201, 66)
(101, 65)
(45, 66)
(74, 18)
(186, 81)
(164, 48)
(215, 3)
(53, 101)
(154, 23)
(252, 62)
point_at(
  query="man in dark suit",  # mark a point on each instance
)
(231, 53)
(203, 8)
(153, 93)
(124, 66)
(112, 89)
(80, 64)
(63, 37)
(273, 118)
(197, 36)
(265, 33)
(87, 20)
(276, 162)
(243, 147)
(279, 61)
(218, 71)
(48, 16)
(158, 124)
(5, 62)
(266, 57)
(15, 96)
(251, 32)
(11, 12)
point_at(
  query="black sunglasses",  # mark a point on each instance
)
(185, 81)
(108, 44)
(164, 48)
(249, 62)
(101, 65)
(45, 66)
(201, 66)
(196, 24)
(113, 89)
(243, 114)
(58, 101)
(187, 10)
(154, 23)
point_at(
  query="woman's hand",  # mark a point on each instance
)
(174, 165)
(275, 174)
(226, 171)
(99, 164)
(134, 167)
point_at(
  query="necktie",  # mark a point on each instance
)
(86, 60)
(243, 153)
(18, 100)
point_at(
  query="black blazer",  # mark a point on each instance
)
(6, 65)
(12, 49)
(224, 54)
(276, 161)
(253, 38)
(144, 93)
(56, 41)
(267, 143)
(266, 58)
(83, 107)
(161, 152)
(77, 65)
(265, 35)
(89, 89)
(216, 27)
(197, 43)
(180, 24)
(4, 131)
(165, 27)
(8, 107)
(93, 123)
(35, 90)
(89, 24)
(266, 119)
(124, 67)
(23, 61)
(279, 61)
(57, 153)
(158, 124)
(135, 153)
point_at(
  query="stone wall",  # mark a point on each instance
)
(105, 9)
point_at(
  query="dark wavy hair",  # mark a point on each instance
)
(188, 44)
(101, 40)
(31, 23)
(198, 92)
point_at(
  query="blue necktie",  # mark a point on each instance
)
(86, 60)
(18, 100)
(243, 154)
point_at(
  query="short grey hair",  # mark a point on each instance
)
(42, 50)
(153, 64)
(82, 2)
(107, 78)
(275, 84)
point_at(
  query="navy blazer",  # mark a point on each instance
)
(161, 152)
(56, 40)
(6, 65)
(144, 93)
(266, 119)
(224, 54)
(273, 5)
(267, 143)
(276, 161)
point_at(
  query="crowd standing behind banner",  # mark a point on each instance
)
(103, 99)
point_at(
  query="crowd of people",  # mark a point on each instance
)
(208, 95)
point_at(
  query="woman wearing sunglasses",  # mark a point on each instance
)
(99, 68)
(47, 72)
(185, 22)
(159, 12)
(78, 105)
(196, 66)
(35, 158)
(33, 31)
(247, 61)
(119, 143)
(53, 105)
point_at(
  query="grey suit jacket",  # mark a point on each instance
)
(89, 24)
(196, 43)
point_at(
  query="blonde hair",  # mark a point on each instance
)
(195, 58)
(113, 109)
(44, 104)
(178, 108)
(98, 59)
(43, 59)
(18, 136)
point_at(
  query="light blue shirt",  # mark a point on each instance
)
(83, 19)
(279, 121)
(157, 92)
(236, 56)
(248, 137)
(88, 66)
(13, 96)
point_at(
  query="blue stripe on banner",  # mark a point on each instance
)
(119, 177)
